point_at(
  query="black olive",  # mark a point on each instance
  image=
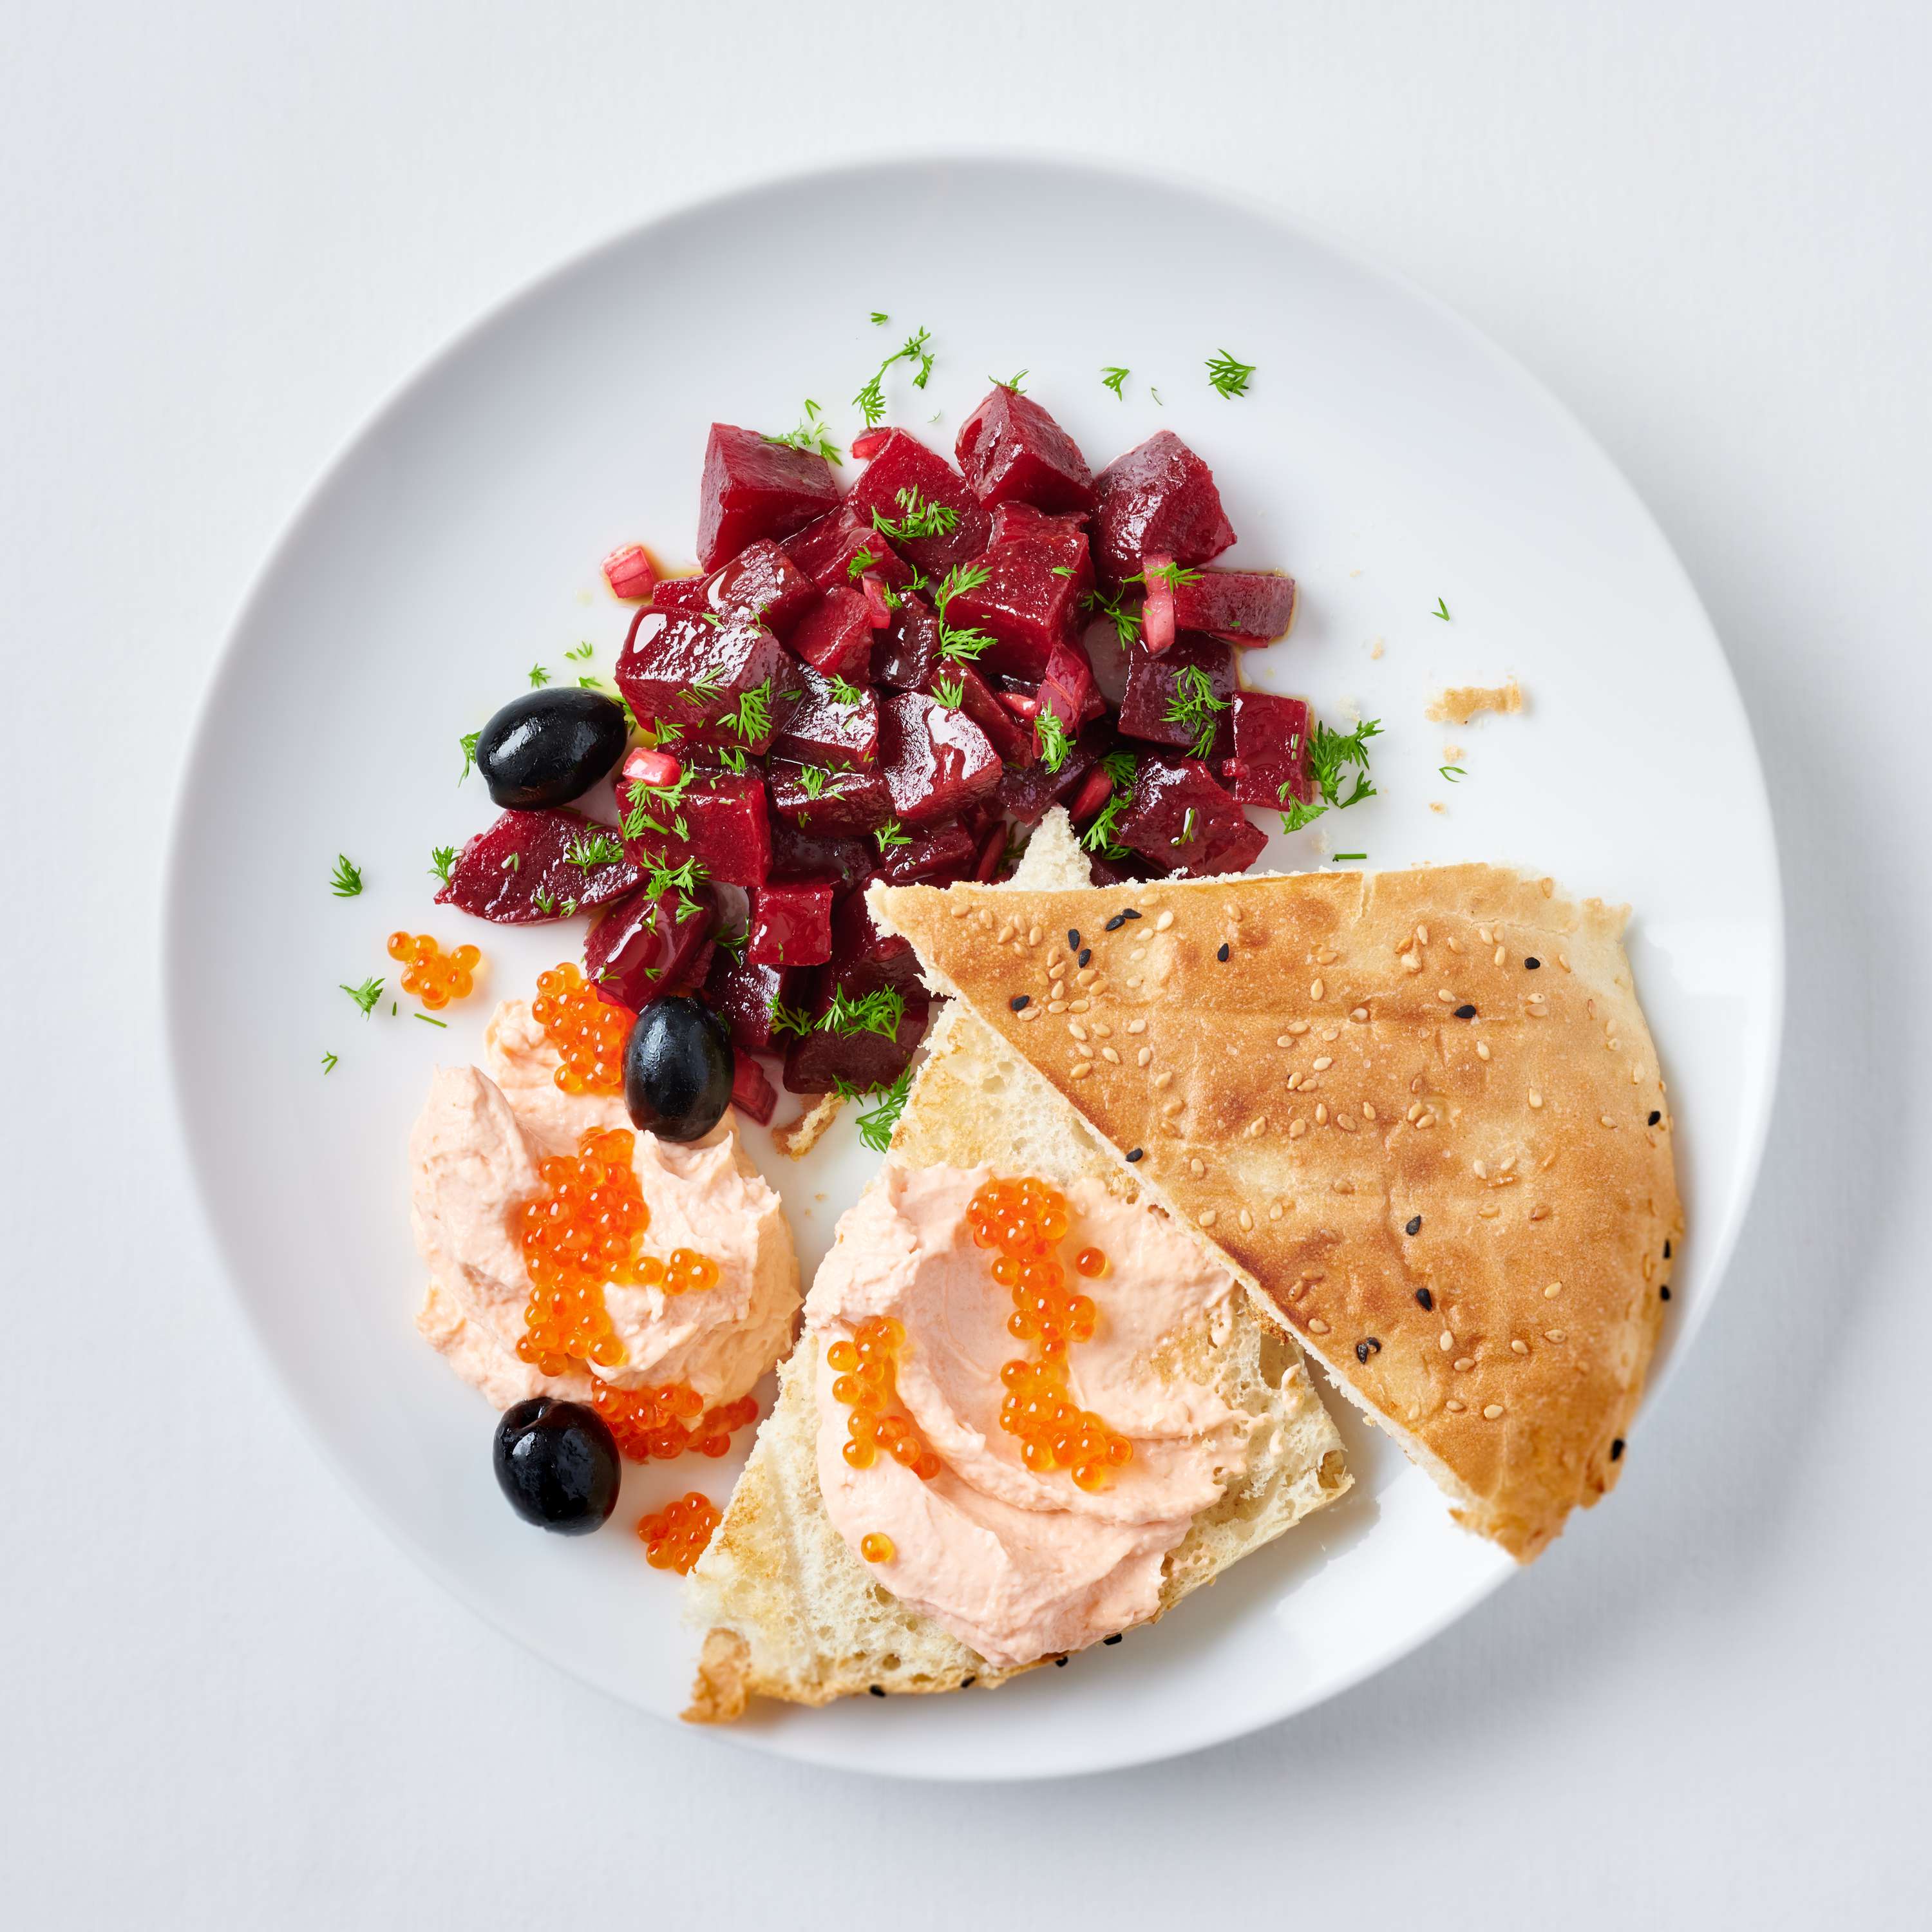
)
(549, 747)
(678, 1070)
(557, 1463)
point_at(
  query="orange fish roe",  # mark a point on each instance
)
(588, 1030)
(867, 1385)
(435, 977)
(656, 1424)
(675, 1537)
(1026, 1220)
(583, 1230)
(877, 1548)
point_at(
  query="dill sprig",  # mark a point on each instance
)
(920, 519)
(958, 645)
(595, 848)
(870, 402)
(789, 1019)
(876, 1125)
(879, 1012)
(951, 695)
(366, 995)
(539, 677)
(1330, 754)
(844, 692)
(1050, 735)
(346, 879)
(1193, 706)
(443, 861)
(469, 741)
(329, 1063)
(1112, 377)
(751, 717)
(683, 879)
(1124, 768)
(646, 801)
(890, 834)
(1228, 376)
(811, 435)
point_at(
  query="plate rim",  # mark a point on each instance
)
(797, 1743)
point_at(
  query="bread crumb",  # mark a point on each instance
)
(799, 1138)
(1460, 703)
(1375, 649)
(1436, 804)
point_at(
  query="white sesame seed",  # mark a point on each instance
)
(1520, 1346)
(1427, 1121)
(1247, 1220)
(1422, 935)
(1297, 1028)
(1538, 1213)
(1033, 935)
(1031, 1013)
(1107, 1053)
(1483, 933)
(1078, 1031)
(1465, 1361)
(1162, 1079)
(1482, 1049)
(1006, 932)
(1443, 994)
(1171, 1108)
(1316, 1326)
(1410, 964)
(1492, 1410)
(1197, 1167)
(1605, 1121)
(1141, 1058)
(1296, 1128)
(1550, 1293)
(1455, 944)
(1368, 1112)
(1056, 969)
(1323, 1062)
(1535, 1098)
(1164, 922)
(1482, 1173)
(1056, 1005)
(1556, 1334)
(1315, 991)
(1501, 955)
(1284, 1041)
(1453, 1406)
(1346, 1122)
(1081, 1069)
(1137, 1026)
(1274, 1213)
(1085, 976)
(1078, 1006)
(1321, 1113)
(1445, 1341)
(1415, 1110)
(1207, 1218)
(1563, 960)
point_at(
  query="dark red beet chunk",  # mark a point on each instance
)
(816, 728)
(816, 1062)
(1185, 824)
(1270, 766)
(719, 820)
(1030, 600)
(525, 868)
(688, 672)
(642, 947)
(864, 959)
(752, 1092)
(791, 925)
(1012, 740)
(761, 583)
(901, 462)
(1244, 606)
(1014, 521)
(744, 994)
(1157, 685)
(680, 593)
(934, 858)
(846, 802)
(935, 761)
(905, 655)
(827, 549)
(834, 637)
(1160, 497)
(1011, 450)
(753, 487)
(1068, 689)
(1027, 793)
(805, 855)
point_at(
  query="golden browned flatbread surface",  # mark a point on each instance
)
(1421, 1109)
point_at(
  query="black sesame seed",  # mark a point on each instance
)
(1466, 1013)
(1134, 1153)
(1367, 1347)
(1617, 1449)
(1114, 924)
(1655, 1117)
(1115, 1638)
(1666, 1251)
(1086, 954)
(967, 1683)
(876, 1690)
(1663, 1293)
(1415, 1225)
(1130, 914)
(1060, 1663)
(1020, 1002)
(1425, 1299)
(1222, 954)
(1073, 939)
(1532, 963)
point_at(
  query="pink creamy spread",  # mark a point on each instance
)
(473, 1156)
(1020, 1565)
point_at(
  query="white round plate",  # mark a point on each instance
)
(1385, 454)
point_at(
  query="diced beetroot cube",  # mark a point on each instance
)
(762, 582)
(1167, 702)
(817, 728)
(754, 487)
(630, 573)
(1244, 606)
(1068, 687)
(1011, 450)
(714, 817)
(903, 467)
(1031, 599)
(834, 637)
(680, 593)
(838, 548)
(1105, 872)
(934, 761)
(791, 925)
(531, 866)
(1183, 821)
(864, 959)
(906, 654)
(818, 1061)
(828, 801)
(1026, 794)
(745, 994)
(1270, 766)
(645, 945)
(684, 671)
(752, 1092)
(936, 857)
(1160, 498)
(1013, 521)
(806, 855)
(1012, 740)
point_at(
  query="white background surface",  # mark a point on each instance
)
(225, 232)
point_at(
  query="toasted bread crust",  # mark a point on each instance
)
(1306, 1064)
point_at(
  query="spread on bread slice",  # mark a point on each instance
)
(1420, 1109)
(954, 1560)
